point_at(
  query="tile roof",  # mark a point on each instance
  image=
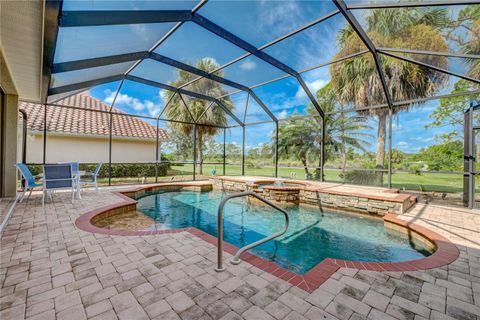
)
(75, 121)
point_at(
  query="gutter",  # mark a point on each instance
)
(97, 136)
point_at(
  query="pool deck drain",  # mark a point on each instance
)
(49, 269)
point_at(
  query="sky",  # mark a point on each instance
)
(255, 22)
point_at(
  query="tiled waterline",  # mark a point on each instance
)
(49, 269)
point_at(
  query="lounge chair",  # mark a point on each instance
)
(30, 182)
(92, 176)
(57, 176)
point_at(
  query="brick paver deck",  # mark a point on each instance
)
(5, 204)
(52, 270)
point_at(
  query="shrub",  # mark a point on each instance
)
(119, 170)
(251, 164)
(35, 169)
(415, 168)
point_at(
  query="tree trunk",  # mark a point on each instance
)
(380, 156)
(304, 162)
(343, 158)
(200, 152)
(318, 170)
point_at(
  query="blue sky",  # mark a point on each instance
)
(256, 22)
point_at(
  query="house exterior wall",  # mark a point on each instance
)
(8, 131)
(88, 149)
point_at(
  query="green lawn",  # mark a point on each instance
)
(407, 181)
(429, 182)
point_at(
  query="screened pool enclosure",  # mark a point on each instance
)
(362, 92)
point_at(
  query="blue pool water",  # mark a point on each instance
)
(312, 235)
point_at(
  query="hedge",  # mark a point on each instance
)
(119, 170)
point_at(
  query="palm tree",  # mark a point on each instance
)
(357, 82)
(302, 137)
(343, 131)
(468, 21)
(299, 139)
(198, 110)
(473, 46)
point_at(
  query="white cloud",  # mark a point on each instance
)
(248, 65)
(249, 147)
(397, 126)
(146, 107)
(314, 86)
(283, 19)
(427, 139)
(283, 114)
(146, 33)
(313, 46)
(407, 147)
(109, 96)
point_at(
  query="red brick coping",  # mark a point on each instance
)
(446, 252)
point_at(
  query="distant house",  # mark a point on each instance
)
(80, 134)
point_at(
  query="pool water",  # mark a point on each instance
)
(312, 235)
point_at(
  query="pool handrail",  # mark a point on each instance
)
(236, 258)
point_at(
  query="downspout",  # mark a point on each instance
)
(24, 135)
(44, 133)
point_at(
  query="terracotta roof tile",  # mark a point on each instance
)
(75, 121)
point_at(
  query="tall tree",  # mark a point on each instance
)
(357, 81)
(189, 109)
(298, 139)
(450, 110)
(343, 131)
(301, 138)
(465, 32)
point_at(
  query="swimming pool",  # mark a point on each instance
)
(312, 235)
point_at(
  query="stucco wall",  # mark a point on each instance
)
(8, 129)
(88, 149)
(8, 141)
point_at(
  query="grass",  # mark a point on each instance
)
(449, 183)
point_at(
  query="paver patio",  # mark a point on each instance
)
(52, 270)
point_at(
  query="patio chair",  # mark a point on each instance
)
(75, 169)
(75, 166)
(56, 177)
(92, 176)
(30, 182)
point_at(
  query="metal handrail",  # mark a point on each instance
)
(236, 258)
